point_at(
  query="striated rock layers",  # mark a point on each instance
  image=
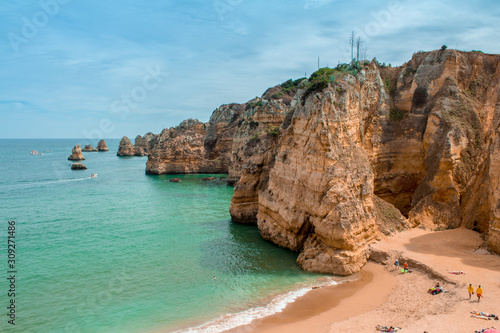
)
(314, 192)
(423, 137)
(76, 154)
(144, 144)
(101, 146)
(196, 147)
(126, 148)
(253, 149)
(326, 165)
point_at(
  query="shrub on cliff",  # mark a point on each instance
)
(273, 130)
(288, 88)
(320, 79)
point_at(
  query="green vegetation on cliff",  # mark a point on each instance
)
(321, 79)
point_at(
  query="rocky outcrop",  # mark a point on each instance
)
(253, 151)
(126, 148)
(325, 166)
(421, 137)
(209, 179)
(78, 166)
(101, 146)
(89, 148)
(179, 150)
(174, 180)
(316, 196)
(76, 154)
(196, 147)
(144, 144)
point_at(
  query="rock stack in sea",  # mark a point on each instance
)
(78, 166)
(326, 165)
(101, 146)
(126, 148)
(89, 148)
(143, 144)
(76, 154)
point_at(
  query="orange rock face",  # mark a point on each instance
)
(126, 148)
(144, 144)
(101, 146)
(325, 166)
(76, 154)
(195, 147)
(423, 137)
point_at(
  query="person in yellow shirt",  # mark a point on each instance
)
(479, 293)
(470, 289)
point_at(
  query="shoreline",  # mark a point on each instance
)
(383, 296)
(315, 310)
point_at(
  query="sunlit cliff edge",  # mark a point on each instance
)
(324, 166)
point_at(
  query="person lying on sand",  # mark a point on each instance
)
(387, 328)
(483, 315)
(458, 272)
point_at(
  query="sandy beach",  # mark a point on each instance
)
(381, 295)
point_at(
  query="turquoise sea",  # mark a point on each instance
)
(128, 252)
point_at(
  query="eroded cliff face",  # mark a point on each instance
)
(196, 147)
(423, 137)
(457, 93)
(144, 144)
(325, 166)
(254, 149)
(316, 196)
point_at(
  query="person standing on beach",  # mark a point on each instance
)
(405, 266)
(470, 289)
(479, 293)
(396, 264)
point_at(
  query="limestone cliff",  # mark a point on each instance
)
(144, 144)
(253, 147)
(196, 147)
(315, 195)
(326, 165)
(423, 137)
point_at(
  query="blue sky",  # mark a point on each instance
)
(92, 69)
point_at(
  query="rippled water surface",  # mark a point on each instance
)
(127, 252)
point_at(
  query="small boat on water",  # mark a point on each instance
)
(33, 152)
(93, 175)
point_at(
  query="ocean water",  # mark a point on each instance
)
(128, 252)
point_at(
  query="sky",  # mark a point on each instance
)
(106, 69)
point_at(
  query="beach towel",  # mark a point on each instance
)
(457, 272)
(484, 315)
(488, 330)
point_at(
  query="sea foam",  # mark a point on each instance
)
(230, 321)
